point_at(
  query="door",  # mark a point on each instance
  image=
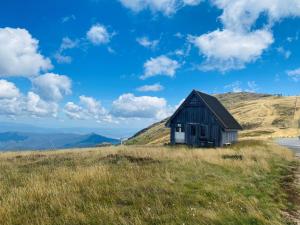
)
(192, 134)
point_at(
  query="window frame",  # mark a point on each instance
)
(179, 128)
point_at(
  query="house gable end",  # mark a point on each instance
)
(193, 100)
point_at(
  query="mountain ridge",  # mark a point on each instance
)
(20, 141)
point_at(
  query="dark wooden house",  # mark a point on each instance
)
(202, 121)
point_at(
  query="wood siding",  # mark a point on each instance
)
(229, 137)
(194, 115)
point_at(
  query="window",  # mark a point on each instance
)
(193, 130)
(179, 128)
(203, 131)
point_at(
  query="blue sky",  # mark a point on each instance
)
(128, 63)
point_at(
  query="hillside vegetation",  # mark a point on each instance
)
(249, 183)
(262, 116)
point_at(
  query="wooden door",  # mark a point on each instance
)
(192, 134)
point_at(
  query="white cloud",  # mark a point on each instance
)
(236, 87)
(60, 58)
(167, 7)
(37, 107)
(285, 53)
(74, 111)
(294, 74)
(145, 42)
(8, 90)
(252, 87)
(225, 50)
(130, 106)
(11, 106)
(98, 35)
(19, 55)
(238, 19)
(13, 103)
(161, 65)
(154, 87)
(88, 108)
(68, 18)
(241, 15)
(52, 87)
(66, 44)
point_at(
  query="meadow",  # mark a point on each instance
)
(249, 183)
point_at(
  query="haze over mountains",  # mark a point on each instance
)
(18, 141)
(109, 132)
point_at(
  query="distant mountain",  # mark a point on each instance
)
(18, 141)
(114, 132)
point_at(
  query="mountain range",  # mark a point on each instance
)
(19, 141)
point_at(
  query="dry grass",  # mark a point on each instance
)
(145, 185)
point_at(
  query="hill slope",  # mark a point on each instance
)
(261, 115)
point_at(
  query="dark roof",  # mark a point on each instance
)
(224, 117)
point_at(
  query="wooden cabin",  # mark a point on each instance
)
(202, 121)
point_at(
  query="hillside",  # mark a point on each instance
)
(249, 183)
(261, 115)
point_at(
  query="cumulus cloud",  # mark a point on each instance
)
(8, 90)
(13, 103)
(238, 19)
(98, 35)
(52, 87)
(19, 54)
(37, 107)
(161, 65)
(242, 14)
(294, 74)
(88, 108)
(11, 106)
(225, 50)
(167, 7)
(147, 43)
(130, 106)
(153, 87)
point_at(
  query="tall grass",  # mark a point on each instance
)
(145, 185)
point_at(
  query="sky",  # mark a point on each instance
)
(124, 64)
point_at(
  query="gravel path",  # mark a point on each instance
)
(291, 143)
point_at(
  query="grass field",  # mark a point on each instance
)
(247, 184)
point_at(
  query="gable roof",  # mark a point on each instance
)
(223, 116)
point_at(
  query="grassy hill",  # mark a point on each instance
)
(250, 183)
(261, 115)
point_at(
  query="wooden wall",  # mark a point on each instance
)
(196, 112)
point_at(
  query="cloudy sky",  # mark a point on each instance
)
(128, 63)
